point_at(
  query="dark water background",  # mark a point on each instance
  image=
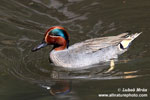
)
(25, 75)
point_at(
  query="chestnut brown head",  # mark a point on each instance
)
(56, 36)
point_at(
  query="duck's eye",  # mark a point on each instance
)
(58, 32)
(51, 33)
(54, 33)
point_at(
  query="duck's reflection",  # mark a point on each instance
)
(60, 80)
(60, 87)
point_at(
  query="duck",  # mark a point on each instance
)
(85, 53)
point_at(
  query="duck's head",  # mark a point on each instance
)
(56, 36)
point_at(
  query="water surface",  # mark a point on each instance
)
(30, 76)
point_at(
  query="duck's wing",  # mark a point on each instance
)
(95, 44)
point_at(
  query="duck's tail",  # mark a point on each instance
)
(127, 41)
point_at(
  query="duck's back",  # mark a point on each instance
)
(88, 52)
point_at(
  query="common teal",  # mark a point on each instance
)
(88, 52)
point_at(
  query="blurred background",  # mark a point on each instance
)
(29, 76)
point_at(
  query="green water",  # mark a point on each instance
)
(29, 76)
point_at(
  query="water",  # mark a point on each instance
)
(29, 76)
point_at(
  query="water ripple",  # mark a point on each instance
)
(25, 21)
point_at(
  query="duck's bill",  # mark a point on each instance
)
(42, 45)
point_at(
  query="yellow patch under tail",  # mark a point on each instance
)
(127, 41)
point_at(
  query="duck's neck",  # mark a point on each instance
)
(60, 44)
(58, 47)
